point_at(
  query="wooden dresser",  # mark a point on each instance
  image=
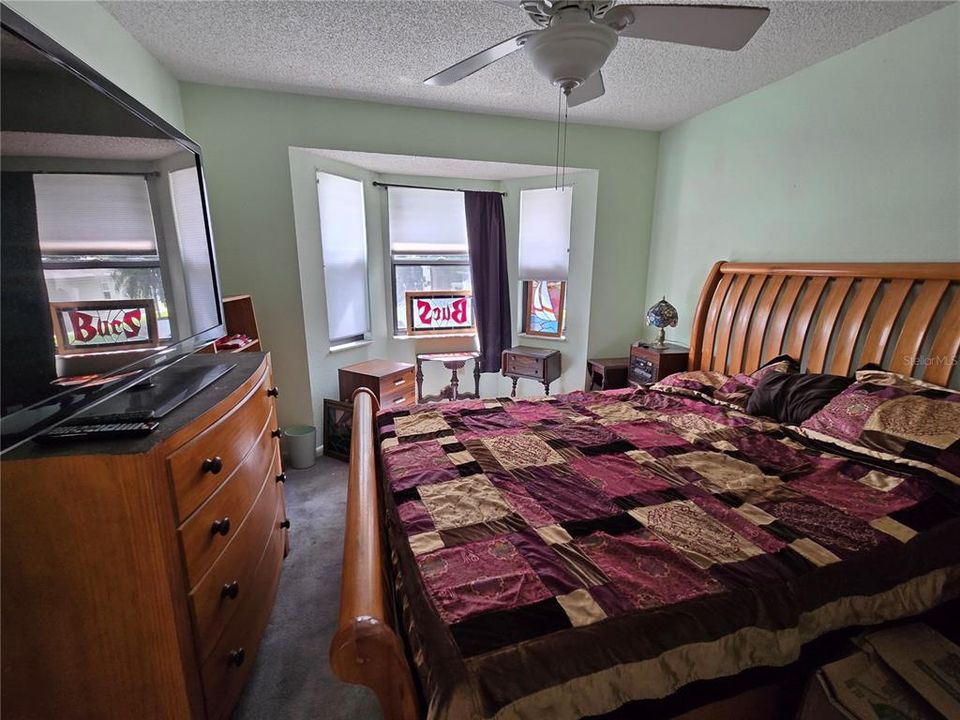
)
(138, 575)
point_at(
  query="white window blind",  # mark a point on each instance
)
(194, 250)
(545, 233)
(94, 215)
(427, 222)
(343, 238)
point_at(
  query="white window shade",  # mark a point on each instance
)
(343, 238)
(194, 249)
(427, 222)
(545, 233)
(94, 215)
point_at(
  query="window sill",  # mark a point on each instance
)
(562, 338)
(431, 337)
(349, 346)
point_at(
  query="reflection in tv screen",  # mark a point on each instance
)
(106, 257)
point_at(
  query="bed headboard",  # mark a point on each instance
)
(834, 317)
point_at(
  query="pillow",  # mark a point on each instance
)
(792, 398)
(893, 417)
(700, 384)
(719, 389)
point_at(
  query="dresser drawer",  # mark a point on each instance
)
(224, 672)
(232, 577)
(200, 540)
(519, 365)
(201, 464)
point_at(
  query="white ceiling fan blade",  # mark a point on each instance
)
(479, 61)
(591, 89)
(723, 27)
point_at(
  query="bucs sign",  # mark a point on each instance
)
(101, 325)
(439, 311)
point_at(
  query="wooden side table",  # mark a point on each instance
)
(650, 363)
(606, 373)
(538, 364)
(452, 362)
(392, 382)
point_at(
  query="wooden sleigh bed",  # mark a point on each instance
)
(835, 317)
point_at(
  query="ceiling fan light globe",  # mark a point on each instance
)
(569, 53)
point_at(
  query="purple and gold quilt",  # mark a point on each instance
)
(559, 557)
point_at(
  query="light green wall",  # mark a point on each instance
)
(856, 158)
(246, 134)
(93, 35)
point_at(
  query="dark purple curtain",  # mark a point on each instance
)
(488, 264)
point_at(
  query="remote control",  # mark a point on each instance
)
(134, 416)
(100, 431)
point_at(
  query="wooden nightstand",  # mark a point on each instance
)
(538, 364)
(392, 382)
(649, 363)
(606, 373)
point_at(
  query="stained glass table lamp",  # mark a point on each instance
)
(662, 315)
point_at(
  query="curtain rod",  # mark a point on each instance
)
(94, 172)
(424, 187)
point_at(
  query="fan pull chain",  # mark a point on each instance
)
(556, 165)
(566, 109)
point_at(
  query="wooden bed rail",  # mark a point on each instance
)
(365, 649)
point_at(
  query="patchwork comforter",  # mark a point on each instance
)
(559, 557)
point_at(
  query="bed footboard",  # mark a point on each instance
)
(365, 649)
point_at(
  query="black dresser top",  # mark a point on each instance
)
(246, 364)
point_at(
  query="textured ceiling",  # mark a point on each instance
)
(87, 147)
(436, 167)
(382, 50)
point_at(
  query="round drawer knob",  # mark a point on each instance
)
(273, 392)
(220, 527)
(237, 657)
(282, 477)
(285, 524)
(231, 590)
(276, 433)
(213, 465)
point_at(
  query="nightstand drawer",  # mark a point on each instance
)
(397, 384)
(520, 365)
(402, 397)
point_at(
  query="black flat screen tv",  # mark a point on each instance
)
(107, 270)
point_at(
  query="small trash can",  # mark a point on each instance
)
(301, 445)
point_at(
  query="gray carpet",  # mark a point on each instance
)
(292, 677)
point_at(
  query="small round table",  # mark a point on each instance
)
(452, 361)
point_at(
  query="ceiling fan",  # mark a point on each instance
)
(576, 37)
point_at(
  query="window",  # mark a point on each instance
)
(544, 255)
(343, 240)
(194, 250)
(98, 240)
(428, 244)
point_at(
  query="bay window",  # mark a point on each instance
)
(428, 244)
(545, 215)
(343, 240)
